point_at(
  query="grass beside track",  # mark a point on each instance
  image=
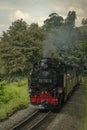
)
(13, 97)
(85, 103)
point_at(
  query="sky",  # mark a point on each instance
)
(36, 11)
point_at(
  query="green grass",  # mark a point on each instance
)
(85, 104)
(13, 97)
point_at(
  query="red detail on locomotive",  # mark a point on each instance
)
(44, 96)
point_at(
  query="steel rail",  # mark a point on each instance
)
(32, 121)
(38, 122)
(24, 121)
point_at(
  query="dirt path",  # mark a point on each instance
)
(71, 115)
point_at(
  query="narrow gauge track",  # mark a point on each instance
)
(32, 121)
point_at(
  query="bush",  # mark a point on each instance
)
(21, 83)
(85, 103)
(2, 87)
(15, 98)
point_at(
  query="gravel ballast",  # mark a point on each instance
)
(16, 118)
(71, 115)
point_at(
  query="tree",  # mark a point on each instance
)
(20, 46)
(36, 36)
(54, 21)
(70, 20)
(11, 48)
(83, 49)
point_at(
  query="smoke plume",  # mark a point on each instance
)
(59, 40)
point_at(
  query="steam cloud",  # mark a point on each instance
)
(59, 39)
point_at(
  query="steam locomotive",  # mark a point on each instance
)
(51, 81)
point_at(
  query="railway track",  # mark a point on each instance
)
(32, 121)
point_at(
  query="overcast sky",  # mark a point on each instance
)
(37, 10)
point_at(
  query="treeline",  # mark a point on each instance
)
(22, 45)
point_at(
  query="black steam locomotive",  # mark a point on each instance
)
(51, 81)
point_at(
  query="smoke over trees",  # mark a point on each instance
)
(61, 37)
(22, 44)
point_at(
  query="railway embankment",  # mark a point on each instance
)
(13, 120)
(71, 116)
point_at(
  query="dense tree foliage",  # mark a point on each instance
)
(23, 44)
(70, 20)
(83, 46)
(20, 46)
(53, 21)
